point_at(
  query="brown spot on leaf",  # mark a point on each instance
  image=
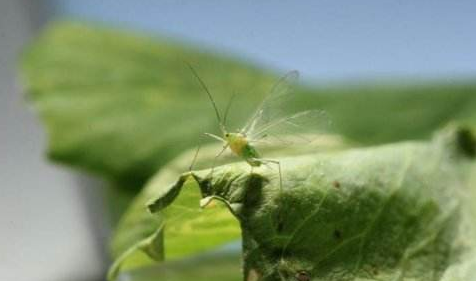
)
(336, 184)
(303, 275)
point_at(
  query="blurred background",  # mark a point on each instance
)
(52, 224)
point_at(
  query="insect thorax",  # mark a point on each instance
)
(237, 142)
(240, 146)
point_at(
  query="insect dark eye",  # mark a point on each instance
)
(303, 276)
(227, 135)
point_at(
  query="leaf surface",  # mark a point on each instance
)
(183, 229)
(393, 212)
(123, 105)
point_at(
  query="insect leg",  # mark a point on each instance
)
(190, 168)
(216, 157)
(221, 152)
(200, 140)
(215, 137)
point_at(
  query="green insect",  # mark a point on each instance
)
(268, 122)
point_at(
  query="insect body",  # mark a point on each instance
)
(268, 121)
(242, 148)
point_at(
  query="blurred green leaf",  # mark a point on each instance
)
(122, 105)
(401, 211)
(399, 110)
(223, 266)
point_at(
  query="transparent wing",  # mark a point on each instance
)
(271, 123)
(300, 127)
(271, 107)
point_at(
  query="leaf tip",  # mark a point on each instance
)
(113, 271)
(167, 197)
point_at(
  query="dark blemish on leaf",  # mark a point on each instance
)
(276, 252)
(303, 275)
(337, 234)
(205, 187)
(466, 142)
(279, 252)
(371, 269)
(336, 184)
(253, 194)
(255, 181)
(280, 222)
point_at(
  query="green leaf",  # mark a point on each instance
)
(223, 266)
(394, 212)
(123, 105)
(183, 229)
(139, 237)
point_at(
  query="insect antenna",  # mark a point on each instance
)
(217, 112)
(228, 106)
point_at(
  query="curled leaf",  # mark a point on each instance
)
(166, 220)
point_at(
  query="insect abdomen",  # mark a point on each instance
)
(250, 155)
